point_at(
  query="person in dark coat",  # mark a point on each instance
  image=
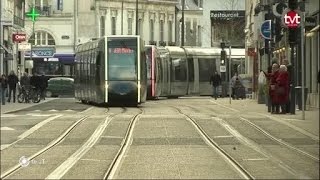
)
(43, 85)
(3, 88)
(290, 77)
(282, 88)
(12, 82)
(215, 80)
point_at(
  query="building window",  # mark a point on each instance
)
(41, 38)
(199, 36)
(140, 29)
(161, 30)
(151, 30)
(129, 26)
(113, 25)
(60, 5)
(102, 26)
(170, 31)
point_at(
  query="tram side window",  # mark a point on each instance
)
(179, 68)
(206, 69)
(149, 62)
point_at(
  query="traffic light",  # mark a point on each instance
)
(223, 57)
(293, 4)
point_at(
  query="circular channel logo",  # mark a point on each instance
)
(24, 161)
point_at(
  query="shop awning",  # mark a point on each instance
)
(65, 58)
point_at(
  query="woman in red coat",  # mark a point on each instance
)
(272, 77)
(282, 88)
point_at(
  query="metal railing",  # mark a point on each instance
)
(44, 10)
(18, 21)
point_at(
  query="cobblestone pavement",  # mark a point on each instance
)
(194, 138)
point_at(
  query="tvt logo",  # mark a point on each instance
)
(292, 19)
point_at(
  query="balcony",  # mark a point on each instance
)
(153, 43)
(162, 43)
(171, 43)
(44, 10)
(18, 21)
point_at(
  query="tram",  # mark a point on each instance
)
(111, 70)
(175, 71)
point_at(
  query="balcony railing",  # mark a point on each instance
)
(162, 43)
(153, 43)
(18, 21)
(44, 11)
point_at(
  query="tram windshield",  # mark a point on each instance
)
(122, 59)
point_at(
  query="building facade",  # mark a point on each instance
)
(193, 12)
(258, 49)
(156, 20)
(52, 38)
(11, 22)
(211, 30)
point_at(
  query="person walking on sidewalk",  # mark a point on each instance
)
(215, 80)
(3, 88)
(12, 82)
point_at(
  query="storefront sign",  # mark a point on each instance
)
(18, 37)
(24, 46)
(226, 14)
(41, 52)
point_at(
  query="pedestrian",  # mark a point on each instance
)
(25, 85)
(275, 109)
(3, 88)
(12, 82)
(290, 79)
(43, 86)
(215, 80)
(233, 83)
(282, 88)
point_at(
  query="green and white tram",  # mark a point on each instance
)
(111, 70)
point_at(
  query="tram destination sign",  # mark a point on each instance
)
(229, 14)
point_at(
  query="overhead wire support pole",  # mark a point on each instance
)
(230, 88)
(182, 24)
(302, 63)
(137, 16)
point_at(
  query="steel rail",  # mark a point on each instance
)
(124, 146)
(244, 173)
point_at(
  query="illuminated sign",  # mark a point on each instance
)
(121, 51)
(291, 19)
(18, 37)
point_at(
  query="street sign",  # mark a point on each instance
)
(265, 29)
(291, 19)
(223, 69)
(19, 37)
(24, 47)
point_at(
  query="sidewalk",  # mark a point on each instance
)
(309, 124)
(9, 107)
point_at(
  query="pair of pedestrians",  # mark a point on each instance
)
(11, 82)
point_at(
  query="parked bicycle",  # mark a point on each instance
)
(29, 93)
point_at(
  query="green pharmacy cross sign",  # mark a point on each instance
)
(33, 14)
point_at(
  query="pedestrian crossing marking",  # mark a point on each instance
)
(6, 129)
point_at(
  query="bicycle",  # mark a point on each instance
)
(26, 94)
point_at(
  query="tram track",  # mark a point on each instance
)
(53, 143)
(279, 141)
(110, 173)
(241, 170)
(11, 171)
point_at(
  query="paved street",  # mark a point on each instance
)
(195, 138)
